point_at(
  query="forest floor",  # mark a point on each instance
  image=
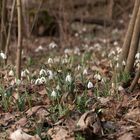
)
(67, 93)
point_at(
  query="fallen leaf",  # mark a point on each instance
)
(20, 135)
(59, 133)
(126, 136)
(133, 115)
(90, 120)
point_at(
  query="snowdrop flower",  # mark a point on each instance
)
(123, 63)
(11, 73)
(40, 48)
(103, 80)
(118, 49)
(51, 75)
(137, 56)
(78, 67)
(84, 29)
(50, 61)
(65, 61)
(17, 81)
(68, 51)
(76, 34)
(53, 94)
(25, 73)
(85, 72)
(115, 43)
(111, 53)
(97, 76)
(117, 65)
(58, 87)
(42, 72)
(77, 51)
(2, 55)
(43, 80)
(90, 85)
(40, 81)
(53, 45)
(97, 46)
(68, 78)
(120, 88)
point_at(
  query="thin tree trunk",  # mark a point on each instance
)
(128, 37)
(134, 45)
(135, 80)
(9, 31)
(3, 25)
(19, 45)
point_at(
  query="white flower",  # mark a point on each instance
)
(84, 29)
(53, 45)
(2, 55)
(17, 81)
(40, 48)
(68, 78)
(85, 72)
(68, 51)
(118, 49)
(41, 80)
(78, 67)
(53, 94)
(98, 46)
(123, 63)
(64, 61)
(42, 72)
(120, 88)
(117, 65)
(51, 75)
(90, 85)
(23, 74)
(115, 43)
(58, 87)
(137, 56)
(97, 76)
(11, 73)
(76, 34)
(38, 81)
(50, 61)
(111, 53)
(77, 51)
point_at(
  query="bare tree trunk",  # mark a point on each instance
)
(3, 25)
(9, 31)
(134, 45)
(19, 45)
(135, 80)
(128, 37)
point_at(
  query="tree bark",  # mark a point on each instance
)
(9, 31)
(19, 45)
(134, 45)
(3, 25)
(128, 37)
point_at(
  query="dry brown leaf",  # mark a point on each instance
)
(90, 120)
(37, 110)
(133, 115)
(126, 136)
(42, 92)
(59, 133)
(22, 121)
(20, 135)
